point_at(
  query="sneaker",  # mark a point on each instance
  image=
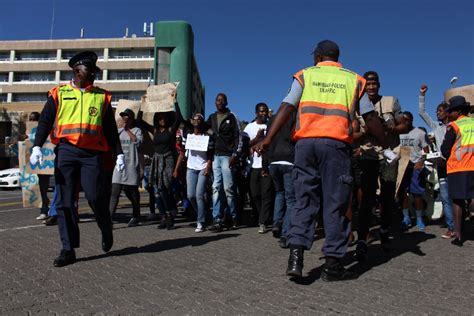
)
(405, 224)
(420, 224)
(262, 229)
(42, 217)
(199, 228)
(361, 251)
(216, 227)
(337, 272)
(235, 224)
(133, 222)
(50, 221)
(448, 235)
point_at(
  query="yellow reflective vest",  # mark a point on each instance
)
(462, 153)
(79, 116)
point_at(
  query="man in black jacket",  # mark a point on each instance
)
(226, 136)
(279, 160)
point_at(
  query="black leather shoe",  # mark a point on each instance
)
(66, 257)
(276, 230)
(107, 239)
(162, 224)
(51, 221)
(385, 240)
(283, 242)
(337, 272)
(295, 262)
(170, 223)
(361, 251)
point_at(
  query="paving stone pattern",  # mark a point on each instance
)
(151, 271)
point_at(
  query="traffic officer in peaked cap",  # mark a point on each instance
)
(326, 97)
(79, 119)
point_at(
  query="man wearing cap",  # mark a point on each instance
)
(458, 148)
(378, 165)
(326, 97)
(128, 180)
(80, 119)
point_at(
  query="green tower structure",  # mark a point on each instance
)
(175, 62)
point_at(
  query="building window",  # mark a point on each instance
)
(130, 75)
(127, 95)
(67, 54)
(4, 56)
(3, 77)
(29, 97)
(67, 76)
(130, 53)
(3, 97)
(33, 76)
(163, 65)
(46, 55)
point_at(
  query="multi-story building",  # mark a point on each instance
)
(29, 68)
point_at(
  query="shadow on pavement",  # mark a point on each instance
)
(162, 245)
(401, 243)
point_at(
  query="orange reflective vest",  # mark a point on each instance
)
(462, 152)
(326, 107)
(79, 116)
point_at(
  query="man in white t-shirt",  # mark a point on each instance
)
(261, 187)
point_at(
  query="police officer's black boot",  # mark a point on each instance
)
(295, 261)
(333, 270)
(66, 257)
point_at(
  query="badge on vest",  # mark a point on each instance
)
(93, 111)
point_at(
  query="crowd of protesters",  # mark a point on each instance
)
(214, 177)
(228, 182)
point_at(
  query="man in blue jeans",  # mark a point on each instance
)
(226, 137)
(439, 130)
(279, 161)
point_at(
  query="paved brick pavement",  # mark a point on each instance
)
(152, 271)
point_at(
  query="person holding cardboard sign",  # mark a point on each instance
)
(80, 119)
(199, 152)
(163, 165)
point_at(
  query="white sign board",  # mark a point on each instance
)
(197, 142)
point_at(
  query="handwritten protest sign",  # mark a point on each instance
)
(160, 98)
(127, 104)
(197, 142)
(29, 181)
(402, 164)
